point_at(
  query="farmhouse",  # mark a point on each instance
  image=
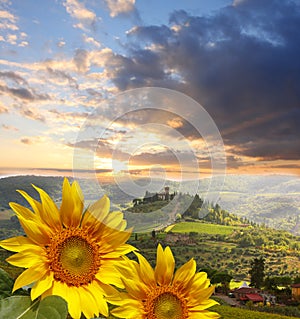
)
(246, 293)
(296, 291)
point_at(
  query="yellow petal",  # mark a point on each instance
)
(204, 305)
(203, 295)
(119, 251)
(36, 206)
(29, 257)
(24, 212)
(131, 310)
(99, 288)
(17, 244)
(136, 289)
(184, 274)
(73, 300)
(49, 213)
(72, 204)
(42, 285)
(199, 282)
(98, 210)
(102, 306)
(35, 231)
(204, 315)
(88, 303)
(128, 268)
(121, 298)
(115, 238)
(71, 297)
(114, 220)
(78, 200)
(165, 265)
(30, 275)
(108, 275)
(146, 271)
(67, 204)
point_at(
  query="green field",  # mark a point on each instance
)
(227, 312)
(211, 229)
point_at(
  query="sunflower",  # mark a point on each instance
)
(161, 294)
(68, 252)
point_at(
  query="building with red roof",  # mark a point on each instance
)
(245, 293)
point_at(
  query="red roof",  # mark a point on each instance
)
(295, 285)
(255, 297)
(244, 290)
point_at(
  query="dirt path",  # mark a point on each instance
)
(230, 301)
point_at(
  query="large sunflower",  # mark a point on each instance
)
(161, 294)
(67, 252)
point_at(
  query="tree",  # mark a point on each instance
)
(224, 278)
(257, 272)
(153, 233)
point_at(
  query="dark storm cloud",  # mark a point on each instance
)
(144, 67)
(242, 64)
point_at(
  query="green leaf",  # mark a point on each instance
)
(21, 307)
(6, 284)
(53, 307)
(15, 307)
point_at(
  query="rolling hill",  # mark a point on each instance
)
(270, 199)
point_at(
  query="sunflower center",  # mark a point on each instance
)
(165, 302)
(168, 306)
(73, 257)
(76, 255)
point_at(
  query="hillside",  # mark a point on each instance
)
(227, 247)
(272, 199)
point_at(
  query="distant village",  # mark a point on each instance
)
(154, 197)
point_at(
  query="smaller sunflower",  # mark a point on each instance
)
(161, 294)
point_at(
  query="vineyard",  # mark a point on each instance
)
(211, 229)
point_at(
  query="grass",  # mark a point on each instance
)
(227, 312)
(211, 229)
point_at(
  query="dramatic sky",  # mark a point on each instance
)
(61, 60)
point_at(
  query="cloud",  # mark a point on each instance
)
(14, 76)
(9, 127)
(62, 78)
(81, 60)
(8, 21)
(27, 141)
(17, 87)
(10, 30)
(117, 7)
(31, 114)
(70, 117)
(242, 64)
(25, 94)
(92, 41)
(3, 109)
(78, 11)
